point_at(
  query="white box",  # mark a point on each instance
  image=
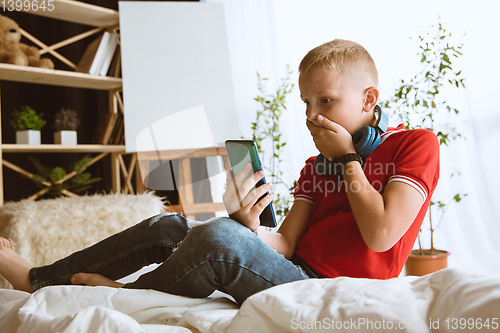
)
(28, 137)
(65, 138)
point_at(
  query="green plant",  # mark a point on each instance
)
(66, 120)
(27, 119)
(56, 176)
(266, 129)
(421, 100)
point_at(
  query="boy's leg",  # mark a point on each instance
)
(224, 255)
(12, 267)
(150, 241)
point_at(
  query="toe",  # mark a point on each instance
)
(4, 242)
(78, 278)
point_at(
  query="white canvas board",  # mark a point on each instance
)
(175, 68)
(179, 134)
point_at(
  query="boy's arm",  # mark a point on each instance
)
(381, 219)
(291, 230)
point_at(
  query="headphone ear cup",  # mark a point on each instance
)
(365, 141)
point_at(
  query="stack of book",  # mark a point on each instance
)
(110, 129)
(99, 54)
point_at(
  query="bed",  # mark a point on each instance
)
(446, 301)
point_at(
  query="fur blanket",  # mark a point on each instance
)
(47, 230)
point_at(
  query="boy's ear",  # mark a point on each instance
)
(371, 98)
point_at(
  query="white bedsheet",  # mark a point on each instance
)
(405, 304)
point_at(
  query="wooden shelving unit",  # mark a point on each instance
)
(99, 19)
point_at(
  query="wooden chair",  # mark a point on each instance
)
(183, 181)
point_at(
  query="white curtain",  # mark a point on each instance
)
(267, 35)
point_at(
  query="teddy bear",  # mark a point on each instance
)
(14, 52)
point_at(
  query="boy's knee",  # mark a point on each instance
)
(221, 231)
(220, 227)
(165, 222)
(163, 218)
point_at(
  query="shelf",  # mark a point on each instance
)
(57, 77)
(78, 12)
(53, 148)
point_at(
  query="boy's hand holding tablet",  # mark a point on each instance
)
(247, 199)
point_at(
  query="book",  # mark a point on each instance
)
(117, 129)
(120, 135)
(93, 55)
(108, 54)
(115, 67)
(104, 128)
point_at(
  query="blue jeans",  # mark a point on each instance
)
(196, 259)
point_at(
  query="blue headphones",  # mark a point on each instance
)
(365, 141)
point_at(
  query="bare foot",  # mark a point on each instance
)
(14, 268)
(91, 279)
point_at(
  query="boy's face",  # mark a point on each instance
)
(324, 92)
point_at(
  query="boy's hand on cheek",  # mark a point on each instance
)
(331, 139)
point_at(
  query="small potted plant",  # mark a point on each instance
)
(27, 124)
(65, 124)
(418, 103)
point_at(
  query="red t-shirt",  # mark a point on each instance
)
(332, 244)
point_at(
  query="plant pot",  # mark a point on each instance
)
(65, 138)
(28, 137)
(427, 263)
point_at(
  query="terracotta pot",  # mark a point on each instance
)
(419, 265)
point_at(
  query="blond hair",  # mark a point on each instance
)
(348, 58)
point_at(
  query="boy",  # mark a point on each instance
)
(363, 227)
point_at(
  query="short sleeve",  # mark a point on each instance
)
(303, 191)
(416, 162)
